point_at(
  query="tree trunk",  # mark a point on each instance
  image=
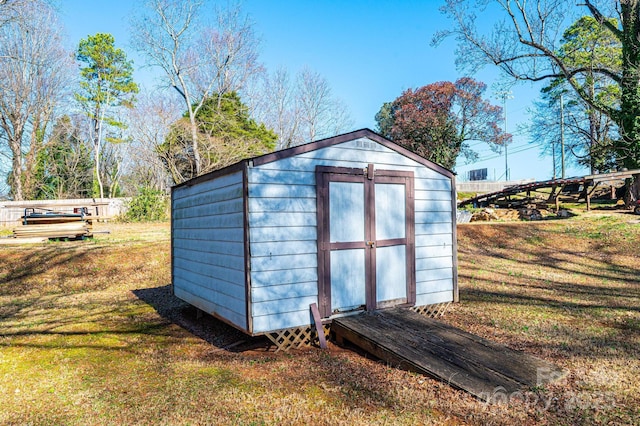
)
(630, 85)
(96, 149)
(593, 132)
(629, 150)
(30, 174)
(634, 190)
(194, 142)
(16, 173)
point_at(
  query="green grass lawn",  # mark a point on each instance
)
(90, 334)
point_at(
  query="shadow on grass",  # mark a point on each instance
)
(15, 274)
(590, 281)
(206, 327)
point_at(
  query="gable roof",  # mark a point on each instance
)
(357, 134)
(319, 144)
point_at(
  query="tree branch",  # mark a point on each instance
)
(602, 20)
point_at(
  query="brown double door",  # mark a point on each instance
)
(365, 239)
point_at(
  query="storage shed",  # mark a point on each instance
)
(351, 223)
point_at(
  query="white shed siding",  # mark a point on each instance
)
(434, 240)
(283, 234)
(282, 231)
(208, 247)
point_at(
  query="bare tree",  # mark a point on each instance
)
(314, 95)
(300, 110)
(232, 47)
(149, 124)
(33, 74)
(525, 44)
(199, 60)
(9, 9)
(275, 104)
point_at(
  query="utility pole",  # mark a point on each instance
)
(561, 134)
(504, 95)
(553, 157)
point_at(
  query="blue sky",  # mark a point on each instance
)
(369, 51)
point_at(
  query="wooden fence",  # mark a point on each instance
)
(106, 208)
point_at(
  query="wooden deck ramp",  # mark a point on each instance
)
(411, 341)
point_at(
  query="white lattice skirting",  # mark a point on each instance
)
(432, 311)
(295, 338)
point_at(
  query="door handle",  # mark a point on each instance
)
(371, 244)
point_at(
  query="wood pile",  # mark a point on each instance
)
(74, 229)
(527, 213)
(485, 215)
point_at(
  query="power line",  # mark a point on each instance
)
(517, 151)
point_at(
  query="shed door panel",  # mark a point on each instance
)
(391, 242)
(347, 212)
(391, 275)
(365, 239)
(390, 211)
(347, 280)
(346, 236)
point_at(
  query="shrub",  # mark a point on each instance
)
(149, 205)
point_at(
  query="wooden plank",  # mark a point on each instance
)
(53, 219)
(434, 286)
(53, 230)
(215, 208)
(432, 298)
(197, 236)
(257, 190)
(223, 260)
(275, 263)
(185, 282)
(24, 240)
(211, 242)
(431, 184)
(432, 217)
(213, 185)
(286, 276)
(305, 205)
(283, 291)
(278, 248)
(214, 196)
(268, 323)
(434, 251)
(435, 240)
(497, 357)
(431, 347)
(238, 320)
(282, 234)
(263, 175)
(387, 345)
(434, 274)
(282, 307)
(434, 228)
(318, 324)
(208, 222)
(215, 272)
(210, 288)
(428, 263)
(267, 219)
(425, 204)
